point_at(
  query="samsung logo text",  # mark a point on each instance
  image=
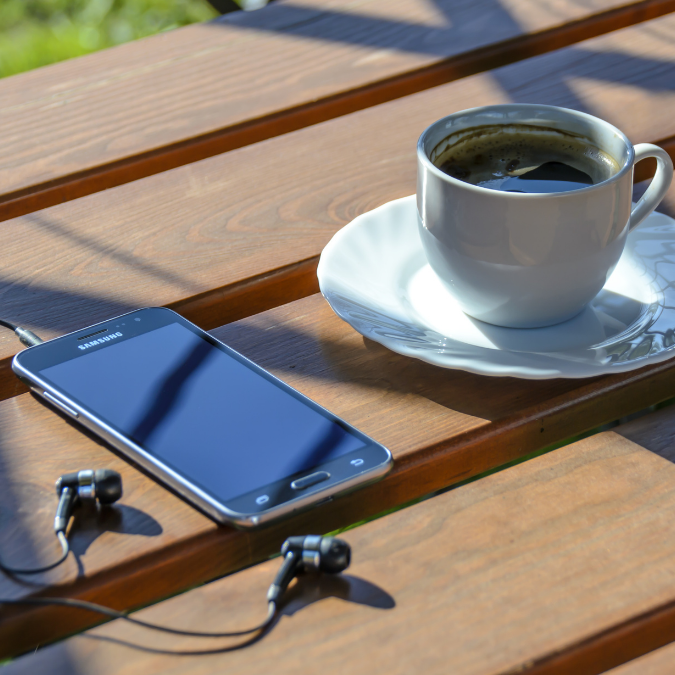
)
(100, 341)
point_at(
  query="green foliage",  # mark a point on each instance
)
(35, 33)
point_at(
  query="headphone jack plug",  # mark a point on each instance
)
(27, 337)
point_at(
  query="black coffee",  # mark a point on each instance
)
(523, 158)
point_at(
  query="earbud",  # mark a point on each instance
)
(102, 485)
(324, 554)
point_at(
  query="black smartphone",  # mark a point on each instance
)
(231, 438)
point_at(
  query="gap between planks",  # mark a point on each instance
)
(240, 300)
(591, 566)
(81, 183)
(441, 450)
(170, 239)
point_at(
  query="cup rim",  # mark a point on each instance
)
(430, 166)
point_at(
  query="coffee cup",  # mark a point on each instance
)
(526, 260)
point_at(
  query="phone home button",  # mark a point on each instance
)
(308, 481)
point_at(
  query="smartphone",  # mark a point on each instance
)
(232, 439)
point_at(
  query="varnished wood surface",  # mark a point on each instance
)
(85, 125)
(239, 233)
(537, 569)
(658, 662)
(196, 238)
(442, 427)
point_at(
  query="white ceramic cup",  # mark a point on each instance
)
(529, 260)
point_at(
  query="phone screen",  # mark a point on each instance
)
(202, 411)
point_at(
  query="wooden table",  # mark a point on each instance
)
(205, 169)
(562, 564)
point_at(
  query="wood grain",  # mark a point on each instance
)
(441, 426)
(525, 571)
(232, 235)
(88, 124)
(192, 242)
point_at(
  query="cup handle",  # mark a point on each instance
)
(659, 185)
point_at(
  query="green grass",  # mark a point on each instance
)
(35, 33)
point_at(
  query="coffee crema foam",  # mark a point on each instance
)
(523, 158)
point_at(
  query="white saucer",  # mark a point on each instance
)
(374, 275)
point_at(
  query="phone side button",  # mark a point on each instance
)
(61, 406)
(308, 481)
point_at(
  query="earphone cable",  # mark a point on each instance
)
(115, 614)
(65, 550)
(27, 337)
(8, 324)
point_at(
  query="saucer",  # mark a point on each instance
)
(375, 276)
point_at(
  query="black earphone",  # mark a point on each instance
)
(311, 552)
(103, 486)
(323, 554)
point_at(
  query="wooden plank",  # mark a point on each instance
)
(658, 662)
(442, 427)
(88, 124)
(466, 426)
(656, 433)
(530, 570)
(224, 238)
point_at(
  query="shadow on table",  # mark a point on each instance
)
(91, 522)
(316, 361)
(461, 26)
(82, 239)
(311, 588)
(39, 306)
(455, 24)
(27, 507)
(44, 308)
(306, 591)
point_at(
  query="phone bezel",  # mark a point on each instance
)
(28, 364)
